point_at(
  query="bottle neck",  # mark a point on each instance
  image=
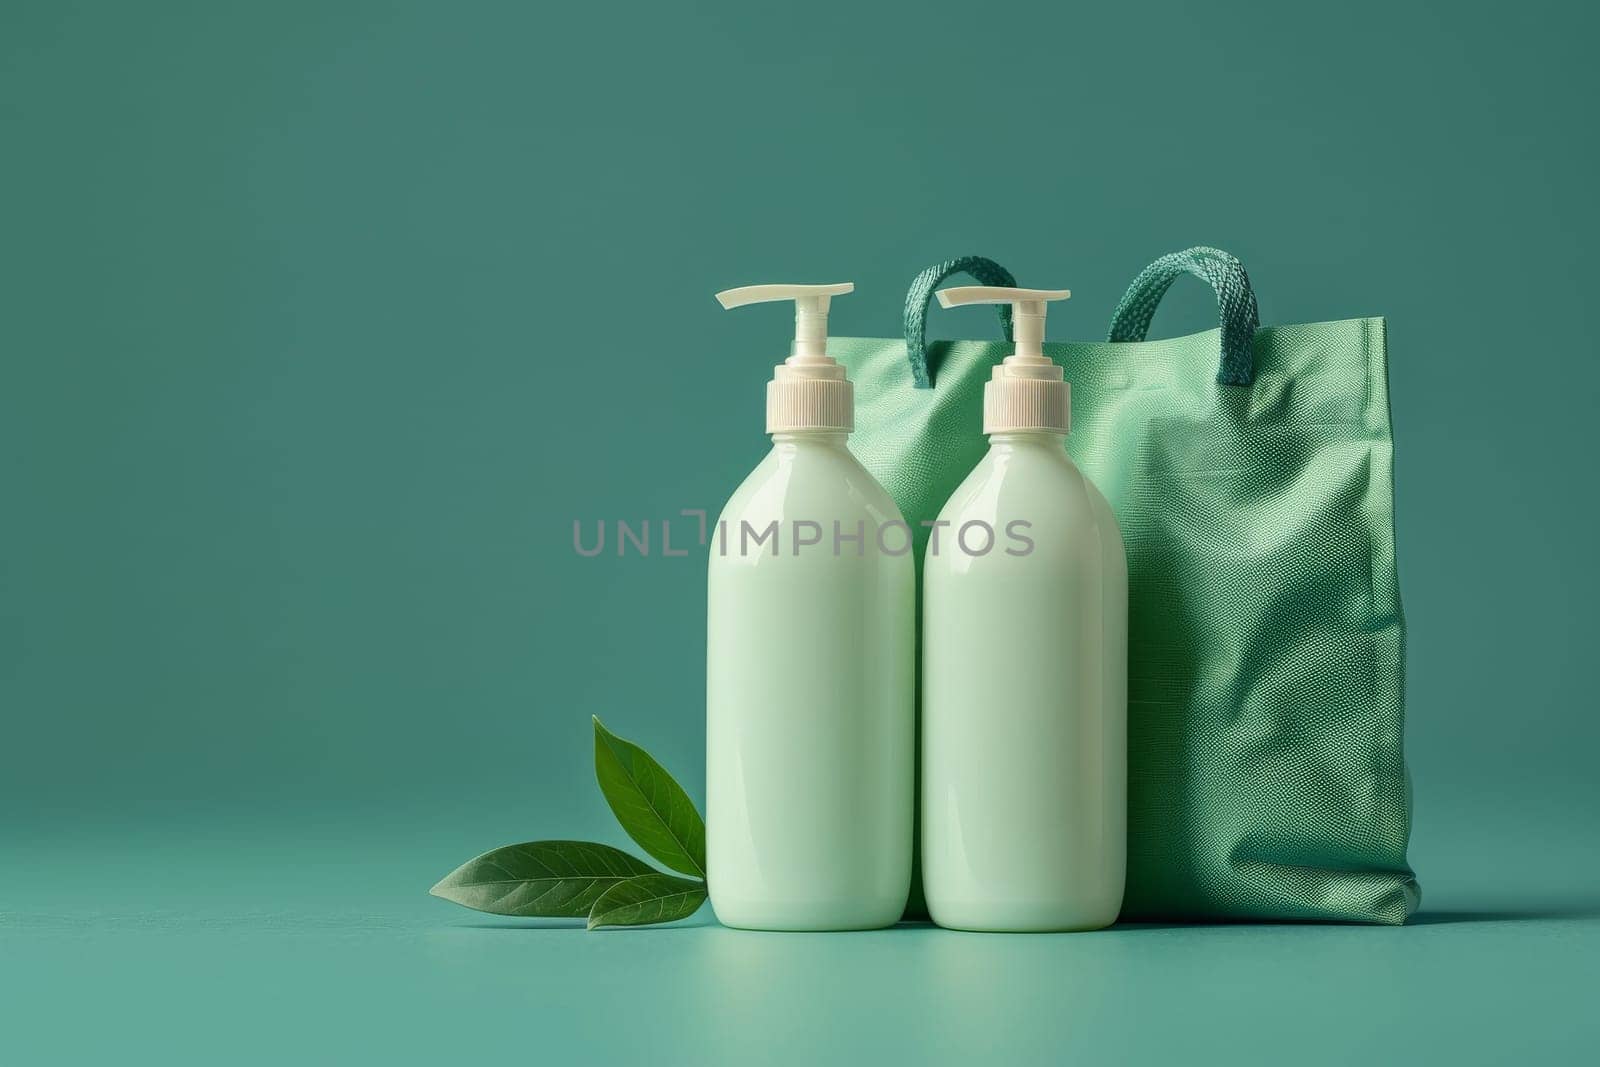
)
(1015, 440)
(823, 438)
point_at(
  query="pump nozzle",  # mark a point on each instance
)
(1027, 312)
(1027, 390)
(809, 390)
(810, 312)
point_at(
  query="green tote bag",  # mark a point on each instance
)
(1251, 472)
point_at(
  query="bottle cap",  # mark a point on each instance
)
(808, 390)
(1026, 391)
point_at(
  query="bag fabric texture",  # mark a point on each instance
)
(1251, 473)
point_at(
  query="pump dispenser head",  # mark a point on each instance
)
(1026, 391)
(808, 390)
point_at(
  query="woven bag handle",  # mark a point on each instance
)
(1236, 305)
(986, 271)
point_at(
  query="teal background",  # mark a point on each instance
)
(321, 323)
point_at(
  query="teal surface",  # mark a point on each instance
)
(321, 949)
(301, 307)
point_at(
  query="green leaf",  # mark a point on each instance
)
(651, 806)
(560, 879)
(649, 898)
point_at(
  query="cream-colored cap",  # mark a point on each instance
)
(1026, 391)
(808, 390)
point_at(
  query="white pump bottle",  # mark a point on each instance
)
(809, 664)
(1024, 666)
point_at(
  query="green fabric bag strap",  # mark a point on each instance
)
(986, 271)
(1236, 304)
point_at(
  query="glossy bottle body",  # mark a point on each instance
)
(809, 696)
(1024, 698)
